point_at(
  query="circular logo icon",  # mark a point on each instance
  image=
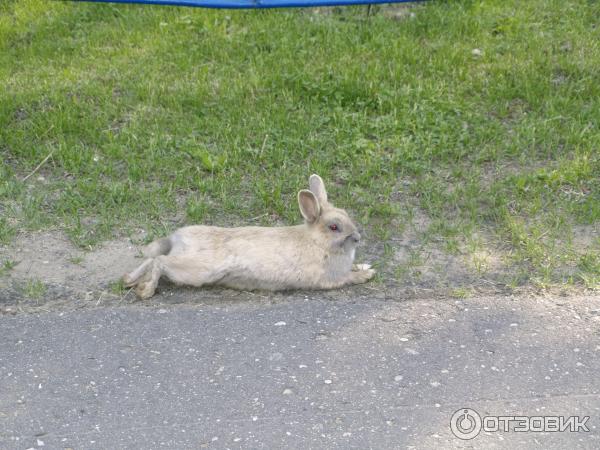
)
(465, 423)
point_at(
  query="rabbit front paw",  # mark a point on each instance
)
(359, 267)
(362, 274)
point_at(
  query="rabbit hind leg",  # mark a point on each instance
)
(131, 279)
(146, 284)
(190, 270)
(145, 278)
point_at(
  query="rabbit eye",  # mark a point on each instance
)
(333, 227)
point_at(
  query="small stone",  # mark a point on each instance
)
(327, 381)
(398, 378)
(287, 391)
(280, 324)
(476, 52)
(276, 356)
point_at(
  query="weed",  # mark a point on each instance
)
(7, 266)
(34, 289)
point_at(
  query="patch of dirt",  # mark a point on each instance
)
(427, 266)
(51, 258)
(399, 11)
(66, 271)
(494, 172)
(396, 11)
(73, 278)
(586, 237)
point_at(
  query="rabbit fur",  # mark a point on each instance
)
(318, 254)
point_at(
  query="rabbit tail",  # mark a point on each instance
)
(159, 247)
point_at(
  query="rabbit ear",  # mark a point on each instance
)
(317, 187)
(309, 206)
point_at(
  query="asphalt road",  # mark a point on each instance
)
(299, 372)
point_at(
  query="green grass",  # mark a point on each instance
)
(117, 288)
(33, 289)
(77, 260)
(155, 116)
(7, 266)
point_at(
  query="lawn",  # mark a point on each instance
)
(473, 126)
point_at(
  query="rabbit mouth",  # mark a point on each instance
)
(353, 238)
(349, 242)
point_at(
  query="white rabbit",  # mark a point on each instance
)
(315, 255)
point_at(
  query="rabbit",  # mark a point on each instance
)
(318, 254)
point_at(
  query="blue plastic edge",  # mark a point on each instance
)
(252, 4)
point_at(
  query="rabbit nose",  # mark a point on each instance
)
(356, 236)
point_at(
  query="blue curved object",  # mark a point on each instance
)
(252, 4)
